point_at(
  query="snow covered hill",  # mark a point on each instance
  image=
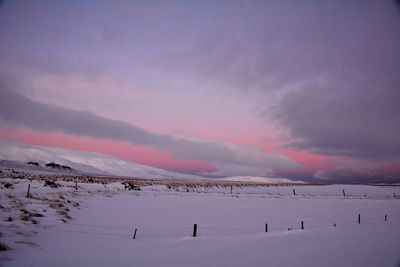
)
(16, 155)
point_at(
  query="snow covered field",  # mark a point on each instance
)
(94, 224)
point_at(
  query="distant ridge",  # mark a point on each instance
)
(18, 155)
(257, 179)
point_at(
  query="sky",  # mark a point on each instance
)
(306, 90)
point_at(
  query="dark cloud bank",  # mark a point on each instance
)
(350, 107)
(329, 71)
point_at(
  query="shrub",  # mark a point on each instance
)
(53, 165)
(131, 186)
(3, 246)
(51, 184)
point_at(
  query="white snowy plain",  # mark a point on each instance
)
(231, 227)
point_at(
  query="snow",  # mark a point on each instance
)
(80, 161)
(231, 227)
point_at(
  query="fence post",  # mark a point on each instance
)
(134, 235)
(359, 218)
(231, 189)
(29, 188)
(344, 194)
(266, 227)
(76, 185)
(302, 225)
(385, 217)
(294, 192)
(194, 230)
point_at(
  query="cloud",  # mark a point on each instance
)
(345, 122)
(359, 172)
(230, 159)
(346, 102)
(334, 91)
(349, 173)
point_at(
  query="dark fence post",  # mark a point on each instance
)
(29, 188)
(302, 225)
(195, 230)
(294, 192)
(134, 235)
(76, 185)
(359, 218)
(266, 227)
(231, 189)
(385, 217)
(344, 194)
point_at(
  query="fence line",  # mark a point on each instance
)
(170, 232)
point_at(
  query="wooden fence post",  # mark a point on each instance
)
(385, 217)
(76, 185)
(266, 227)
(195, 230)
(344, 194)
(302, 225)
(231, 189)
(134, 235)
(359, 219)
(29, 188)
(294, 192)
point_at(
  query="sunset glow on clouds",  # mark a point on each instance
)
(305, 90)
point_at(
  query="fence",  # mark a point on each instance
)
(148, 233)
